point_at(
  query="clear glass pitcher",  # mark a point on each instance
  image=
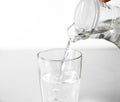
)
(96, 19)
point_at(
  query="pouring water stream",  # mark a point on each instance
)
(88, 23)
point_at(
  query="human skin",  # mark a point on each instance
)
(104, 0)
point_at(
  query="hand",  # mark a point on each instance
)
(104, 0)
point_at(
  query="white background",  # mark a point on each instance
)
(38, 24)
(100, 81)
(35, 23)
(42, 24)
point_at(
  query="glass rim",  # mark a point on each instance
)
(43, 58)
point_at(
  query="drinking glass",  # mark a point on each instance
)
(60, 80)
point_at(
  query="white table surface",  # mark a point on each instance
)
(100, 81)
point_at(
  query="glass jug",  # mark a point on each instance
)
(96, 19)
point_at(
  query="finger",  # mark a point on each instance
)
(104, 0)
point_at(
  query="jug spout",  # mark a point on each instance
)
(101, 21)
(107, 32)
